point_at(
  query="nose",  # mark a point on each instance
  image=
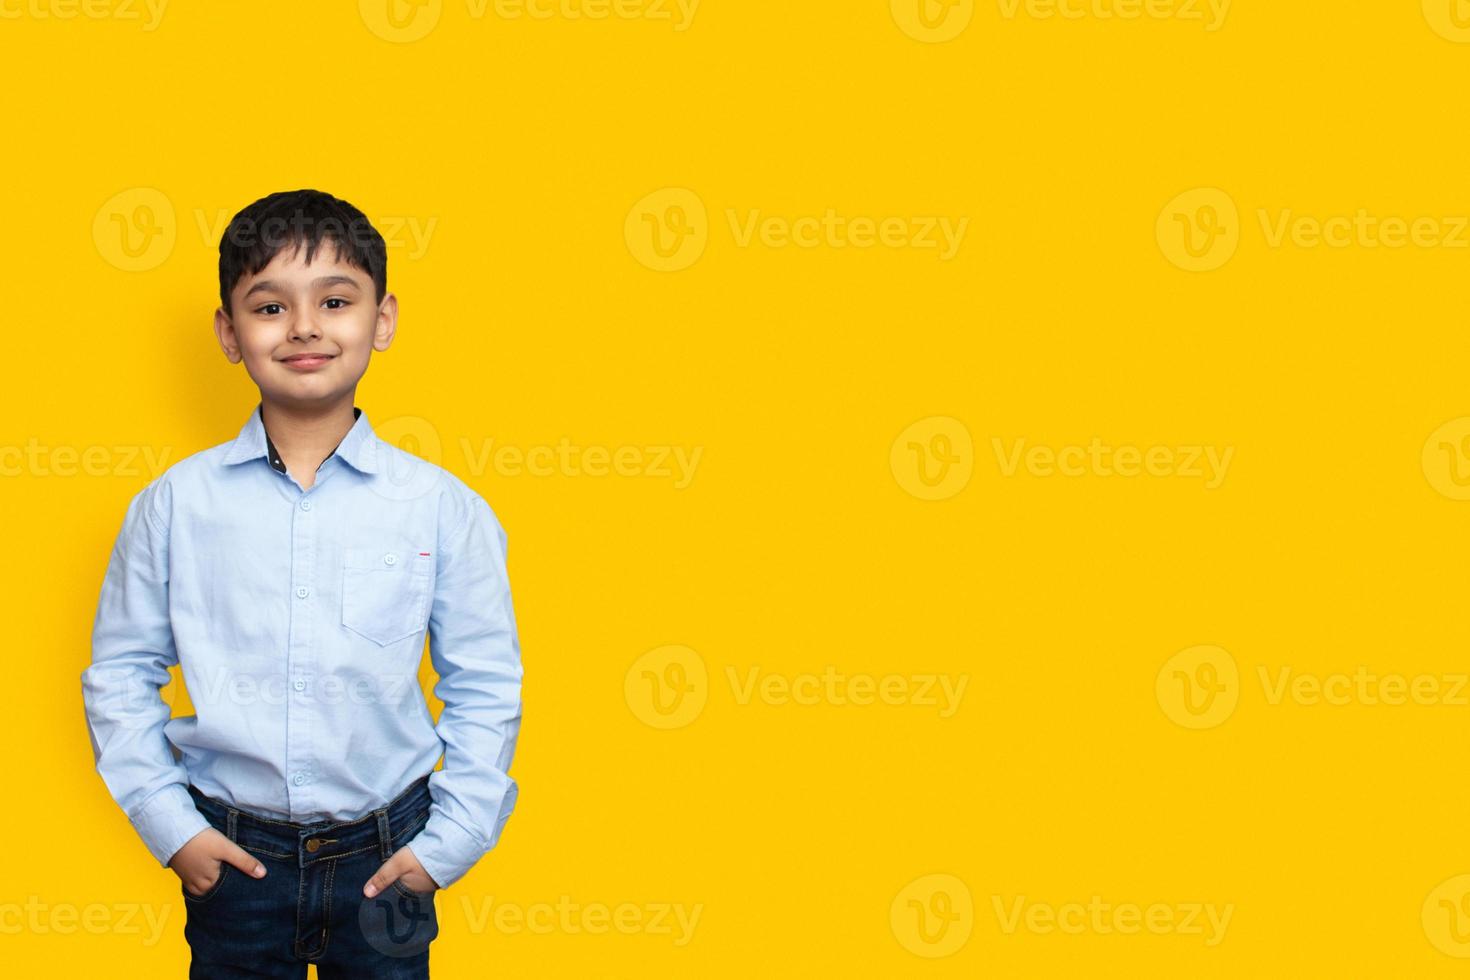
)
(304, 328)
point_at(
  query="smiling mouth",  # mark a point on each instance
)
(307, 360)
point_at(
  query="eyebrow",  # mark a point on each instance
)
(267, 285)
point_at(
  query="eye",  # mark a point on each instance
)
(270, 309)
(335, 299)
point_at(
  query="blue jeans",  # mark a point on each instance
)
(309, 907)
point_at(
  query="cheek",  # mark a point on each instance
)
(256, 347)
(357, 343)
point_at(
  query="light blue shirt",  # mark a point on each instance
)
(297, 617)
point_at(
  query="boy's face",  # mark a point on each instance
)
(306, 332)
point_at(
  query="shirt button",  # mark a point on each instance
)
(390, 559)
(303, 592)
(306, 505)
(299, 685)
(298, 779)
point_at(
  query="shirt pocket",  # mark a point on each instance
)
(385, 592)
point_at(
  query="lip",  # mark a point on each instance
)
(306, 362)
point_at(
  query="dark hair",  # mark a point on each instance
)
(289, 219)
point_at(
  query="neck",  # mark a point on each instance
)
(307, 432)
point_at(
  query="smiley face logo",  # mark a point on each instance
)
(933, 916)
(932, 21)
(1199, 229)
(134, 699)
(1446, 916)
(933, 458)
(399, 922)
(1450, 19)
(400, 21)
(1446, 459)
(404, 477)
(1198, 687)
(667, 687)
(668, 229)
(135, 229)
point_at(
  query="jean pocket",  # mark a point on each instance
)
(427, 897)
(213, 890)
(385, 592)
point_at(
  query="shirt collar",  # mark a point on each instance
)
(356, 448)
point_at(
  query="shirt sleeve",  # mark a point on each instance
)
(475, 651)
(132, 649)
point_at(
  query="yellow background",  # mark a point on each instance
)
(1335, 833)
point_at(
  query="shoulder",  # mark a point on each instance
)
(458, 504)
(461, 504)
(180, 478)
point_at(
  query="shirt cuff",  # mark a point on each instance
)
(167, 821)
(445, 849)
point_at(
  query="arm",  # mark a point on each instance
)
(132, 649)
(475, 651)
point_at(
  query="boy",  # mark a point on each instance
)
(292, 573)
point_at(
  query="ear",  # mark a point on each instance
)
(387, 323)
(224, 329)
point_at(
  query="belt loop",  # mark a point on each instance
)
(230, 823)
(384, 835)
